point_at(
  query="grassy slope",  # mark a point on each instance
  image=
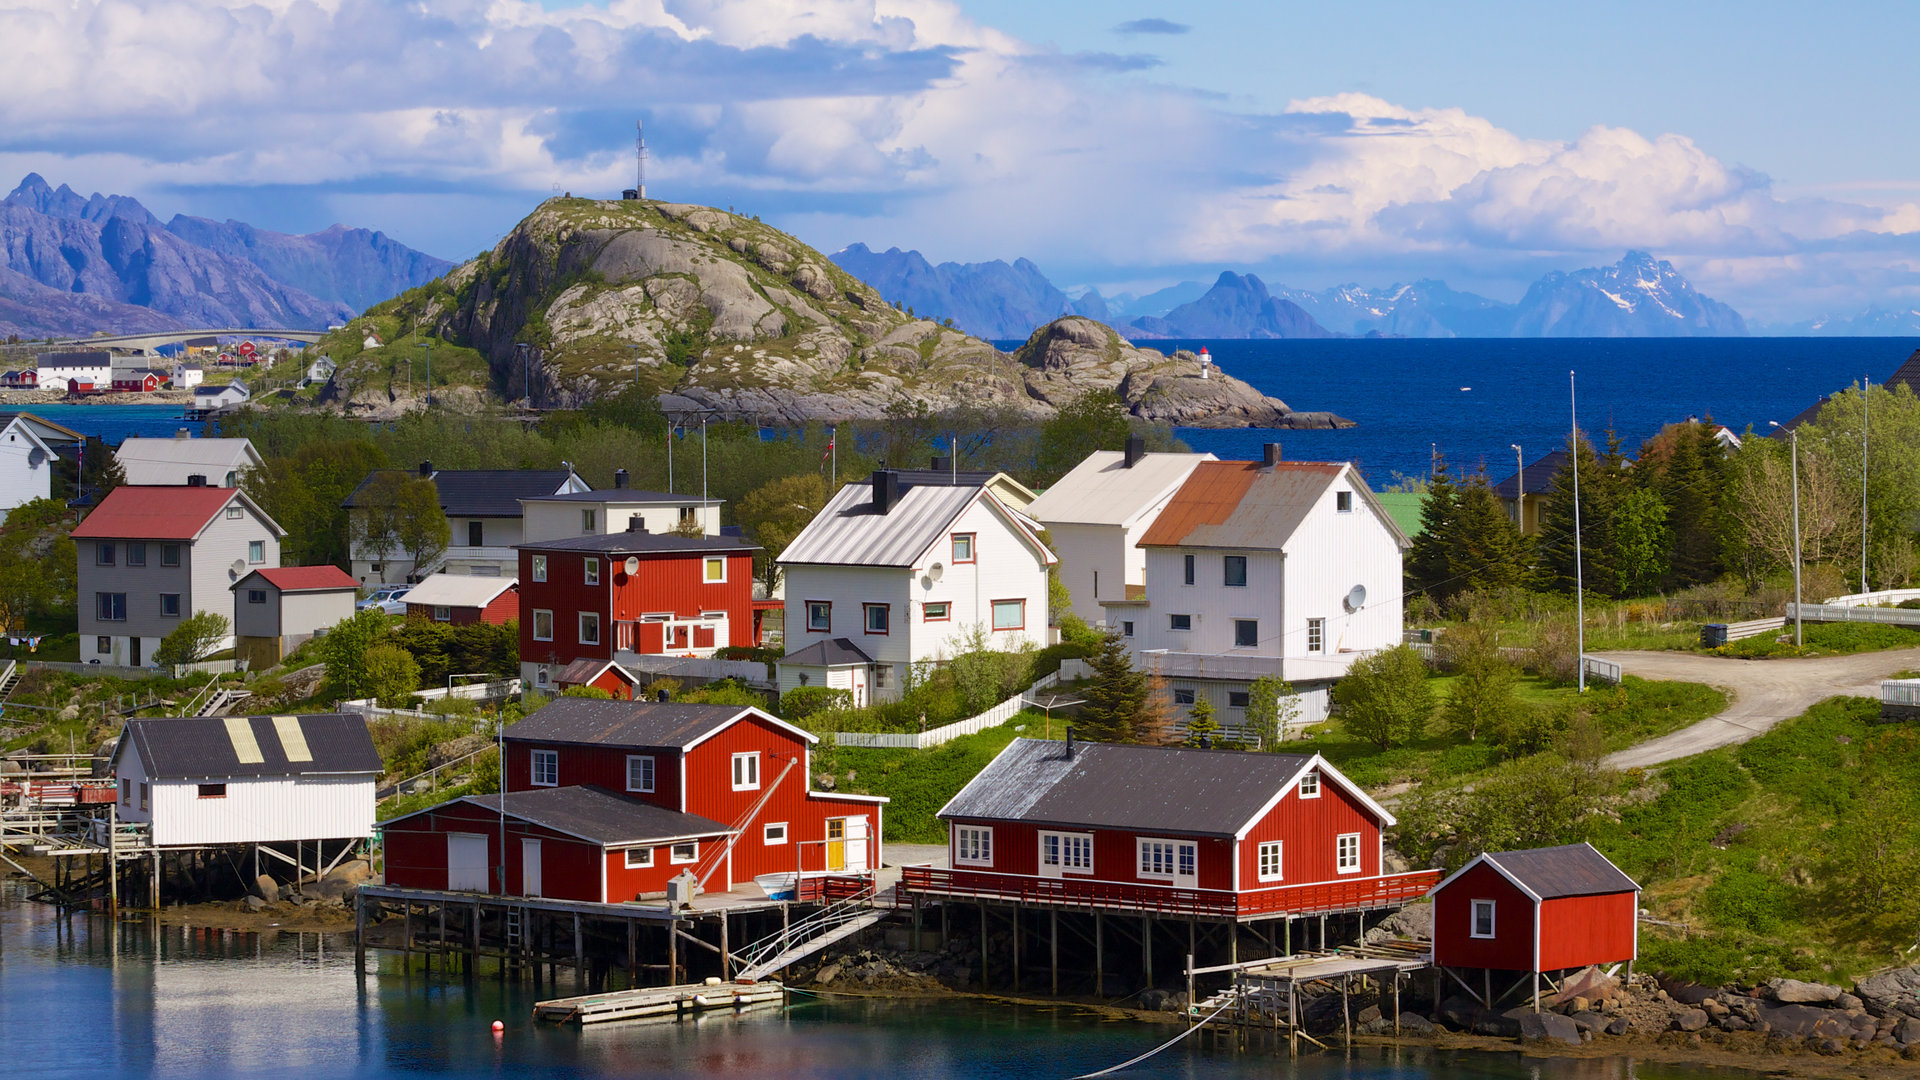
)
(921, 781)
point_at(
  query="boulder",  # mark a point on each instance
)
(1886, 993)
(1796, 992)
(1618, 1026)
(1690, 1020)
(266, 888)
(352, 872)
(253, 902)
(1458, 1013)
(1549, 1027)
(1414, 1023)
(1367, 1015)
(1588, 1021)
(1907, 1032)
(1804, 1021)
(826, 975)
(1590, 983)
(1848, 1002)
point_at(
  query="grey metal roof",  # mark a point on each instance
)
(1156, 789)
(1102, 490)
(621, 495)
(1540, 473)
(834, 652)
(480, 492)
(644, 543)
(601, 816)
(195, 747)
(590, 721)
(849, 533)
(1568, 870)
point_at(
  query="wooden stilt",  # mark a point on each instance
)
(983, 945)
(1053, 947)
(633, 932)
(1099, 955)
(1486, 982)
(726, 955)
(1346, 1009)
(359, 935)
(1146, 946)
(1233, 943)
(579, 954)
(1396, 1003)
(1016, 948)
(673, 952)
(1190, 1012)
(916, 922)
(1293, 1021)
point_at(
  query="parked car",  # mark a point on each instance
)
(387, 598)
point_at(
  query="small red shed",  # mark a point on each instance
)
(1539, 911)
(462, 599)
(604, 674)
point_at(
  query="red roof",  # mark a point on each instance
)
(154, 513)
(307, 578)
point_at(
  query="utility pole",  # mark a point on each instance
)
(1793, 437)
(1519, 489)
(1866, 384)
(1579, 570)
(428, 346)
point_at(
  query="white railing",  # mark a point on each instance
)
(972, 725)
(750, 672)
(497, 690)
(1604, 670)
(1739, 631)
(1900, 692)
(1832, 613)
(1874, 599)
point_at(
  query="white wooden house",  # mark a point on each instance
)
(70, 371)
(28, 448)
(904, 567)
(174, 461)
(203, 780)
(219, 397)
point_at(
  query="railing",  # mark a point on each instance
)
(1604, 670)
(972, 725)
(1832, 613)
(845, 909)
(1356, 894)
(1900, 692)
(1740, 631)
(657, 665)
(431, 775)
(1873, 599)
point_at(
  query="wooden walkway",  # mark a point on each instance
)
(659, 1001)
(1266, 992)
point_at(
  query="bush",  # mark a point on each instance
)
(1385, 698)
(593, 692)
(195, 639)
(391, 674)
(803, 702)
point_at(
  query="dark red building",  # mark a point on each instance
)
(1213, 833)
(463, 599)
(596, 597)
(1538, 911)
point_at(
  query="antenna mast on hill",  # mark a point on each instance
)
(639, 188)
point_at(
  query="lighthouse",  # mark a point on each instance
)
(1206, 363)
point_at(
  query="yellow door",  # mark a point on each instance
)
(836, 843)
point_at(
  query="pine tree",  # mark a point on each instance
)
(1602, 486)
(1202, 728)
(1153, 723)
(1428, 563)
(1115, 695)
(1488, 551)
(1686, 467)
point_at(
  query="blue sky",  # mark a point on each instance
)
(1764, 148)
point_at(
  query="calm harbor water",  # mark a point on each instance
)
(187, 1003)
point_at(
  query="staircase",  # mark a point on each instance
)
(835, 922)
(9, 678)
(222, 702)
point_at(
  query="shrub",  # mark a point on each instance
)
(195, 639)
(391, 674)
(593, 692)
(1385, 698)
(803, 702)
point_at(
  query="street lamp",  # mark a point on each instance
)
(1519, 488)
(526, 373)
(1793, 437)
(428, 355)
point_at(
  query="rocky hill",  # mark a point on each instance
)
(726, 311)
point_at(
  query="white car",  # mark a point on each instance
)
(387, 598)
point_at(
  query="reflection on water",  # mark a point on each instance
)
(77, 1002)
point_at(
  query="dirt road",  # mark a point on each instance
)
(1762, 693)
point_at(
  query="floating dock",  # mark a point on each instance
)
(659, 1001)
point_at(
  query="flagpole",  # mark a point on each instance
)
(1579, 570)
(833, 447)
(1866, 383)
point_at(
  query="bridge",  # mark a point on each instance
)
(147, 342)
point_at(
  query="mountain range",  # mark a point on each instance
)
(74, 265)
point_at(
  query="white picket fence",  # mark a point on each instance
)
(972, 725)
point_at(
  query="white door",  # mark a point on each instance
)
(856, 845)
(1186, 865)
(530, 868)
(467, 862)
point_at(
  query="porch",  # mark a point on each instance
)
(1317, 898)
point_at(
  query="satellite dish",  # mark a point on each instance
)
(632, 565)
(1356, 597)
(36, 456)
(926, 581)
(936, 571)
(239, 567)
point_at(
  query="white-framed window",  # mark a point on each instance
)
(1347, 853)
(1233, 571)
(962, 547)
(542, 624)
(1343, 502)
(591, 571)
(1482, 926)
(1009, 614)
(1270, 862)
(589, 628)
(773, 832)
(234, 513)
(1157, 858)
(1186, 569)
(1316, 635)
(746, 771)
(254, 596)
(588, 519)
(878, 617)
(442, 613)
(546, 768)
(639, 772)
(169, 554)
(686, 515)
(170, 604)
(1183, 695)
(714, 570)
(126, 792)
(1126, 628)
(541, 675)
(684, 853)
(539, 568)
(973, 845)
(136, 553)
(882, 676)
(256, 551)
(1310, 784)
(1070, 853)
(820, 615)
(639, 858)
(937, 612)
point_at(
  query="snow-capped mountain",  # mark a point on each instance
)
(1424, 309)
(1875, 321)
(1639, 296)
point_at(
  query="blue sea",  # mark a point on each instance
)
(116, 422)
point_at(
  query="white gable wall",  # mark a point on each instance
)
(254, 809)
(21, 479)
(1327, 556)
(1211, 606)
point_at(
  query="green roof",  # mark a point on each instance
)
(1404, 507)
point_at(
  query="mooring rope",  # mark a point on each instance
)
(1135, 1061)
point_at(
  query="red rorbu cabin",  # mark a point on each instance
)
(1539, 911)
(1210, 833)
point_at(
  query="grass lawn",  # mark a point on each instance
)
(1823, 639)
(921, 781)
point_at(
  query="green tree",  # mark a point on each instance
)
(197, 637)
(1486, 550)
(1482, 699)
(391, 674)
(1686, 466)
(344, 651)
(1385, 698)
(100, 471)
(1429, 562)
(1601, 488)
(1642, 543)
(1892, 463)
(1273, 707)
(304, 493)
(1202, 728)
(1093, 421)
(1115, 695)
(402, 514)
(774, 514)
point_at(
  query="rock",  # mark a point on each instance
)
(1414, 1023)
(1618, 1026)
(1458, 1013)
(1734, 1023)
(352, 872)
(253, 902)
(1549, 1027)
(1690, 1020)
(1579, 1004)
(441, 753)
(1796, 992)
(1588, 1021)
(1802, 1021)
(826, 975)
(1848, 1001)
(1590, 983)
(1367, 1015)
(1907, 1032)
(266, 888)
(1408, 922)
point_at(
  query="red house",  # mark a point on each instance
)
(1212, 833)
(138, 381)
(461, 599)
(1538, 911)
(600, 674)
(716, 791)
(597, 597)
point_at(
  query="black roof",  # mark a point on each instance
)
(830, 653)
(1539, 472)
(591, 721)
(1907, 374)
(479, 492)
(192, 747)
(1157, 789)
(938, 478)
(619, 494)
(644, 543)
(601, 816)
(1568, 870)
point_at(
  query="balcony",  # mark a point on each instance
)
(1318, 898)
(1246, 667)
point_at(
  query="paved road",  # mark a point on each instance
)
(1762, 693)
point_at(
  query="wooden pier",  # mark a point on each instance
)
(1267, 992)
(659, 1001)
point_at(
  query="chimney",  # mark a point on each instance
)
(182, 433)
(620, 479)
(636, 524)
(886, 490)
(1136, 449)
(1069, 741)
(663, 696)
(1271, 454)
(426, 470)
(942, 463)
(197, 480)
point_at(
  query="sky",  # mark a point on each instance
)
(1764, 148)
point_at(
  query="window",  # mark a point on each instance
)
(232, 479)
(126, 792)
(588, 519)
(136, 554)
(213, 791)
(1156, 858)
(882, 676)
(256, 596)
(1179, 622)
(715, 570)
(746, 771)
(589, 628)
(442, 613)
(1310, 785)
(1343, 502)
(539, 568)
(820, 615)
(973, 845)
(1182, 696)
(234, 513)
(1126, 628)
(686, 515)
(774, 832)
(1009, 614)
(542, 625)
(170, 604)
(144, 789)
(103, 645)
(1316, 634)
(1270, 861)
(1067, 852)
(475, 534)
(169, 554)
(1482, 919)
(591, 571)
(103, 555)
(962, 547)
(640, 772)
(876, 617)
(1347, 853)
(112, 606)
(1238, 699)
(636, 523)
(1233, 571)
(684, 853)
(540, 675)
(639, 858)
(256, 551)
(546, 768)
(1246, 633)
(937, 612)
(1186, 569)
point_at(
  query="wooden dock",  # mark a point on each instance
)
(1266, 992)
(658, 1001)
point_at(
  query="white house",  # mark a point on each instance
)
(1096, 514)
(187, 376)
(1289, 569)
(483, 508)
(219, 397)
(27, 454)
(172, 461)
(617, 509)
(248, 779)
(903, 570)
(70, 371)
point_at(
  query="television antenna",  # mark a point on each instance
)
(639, 188)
